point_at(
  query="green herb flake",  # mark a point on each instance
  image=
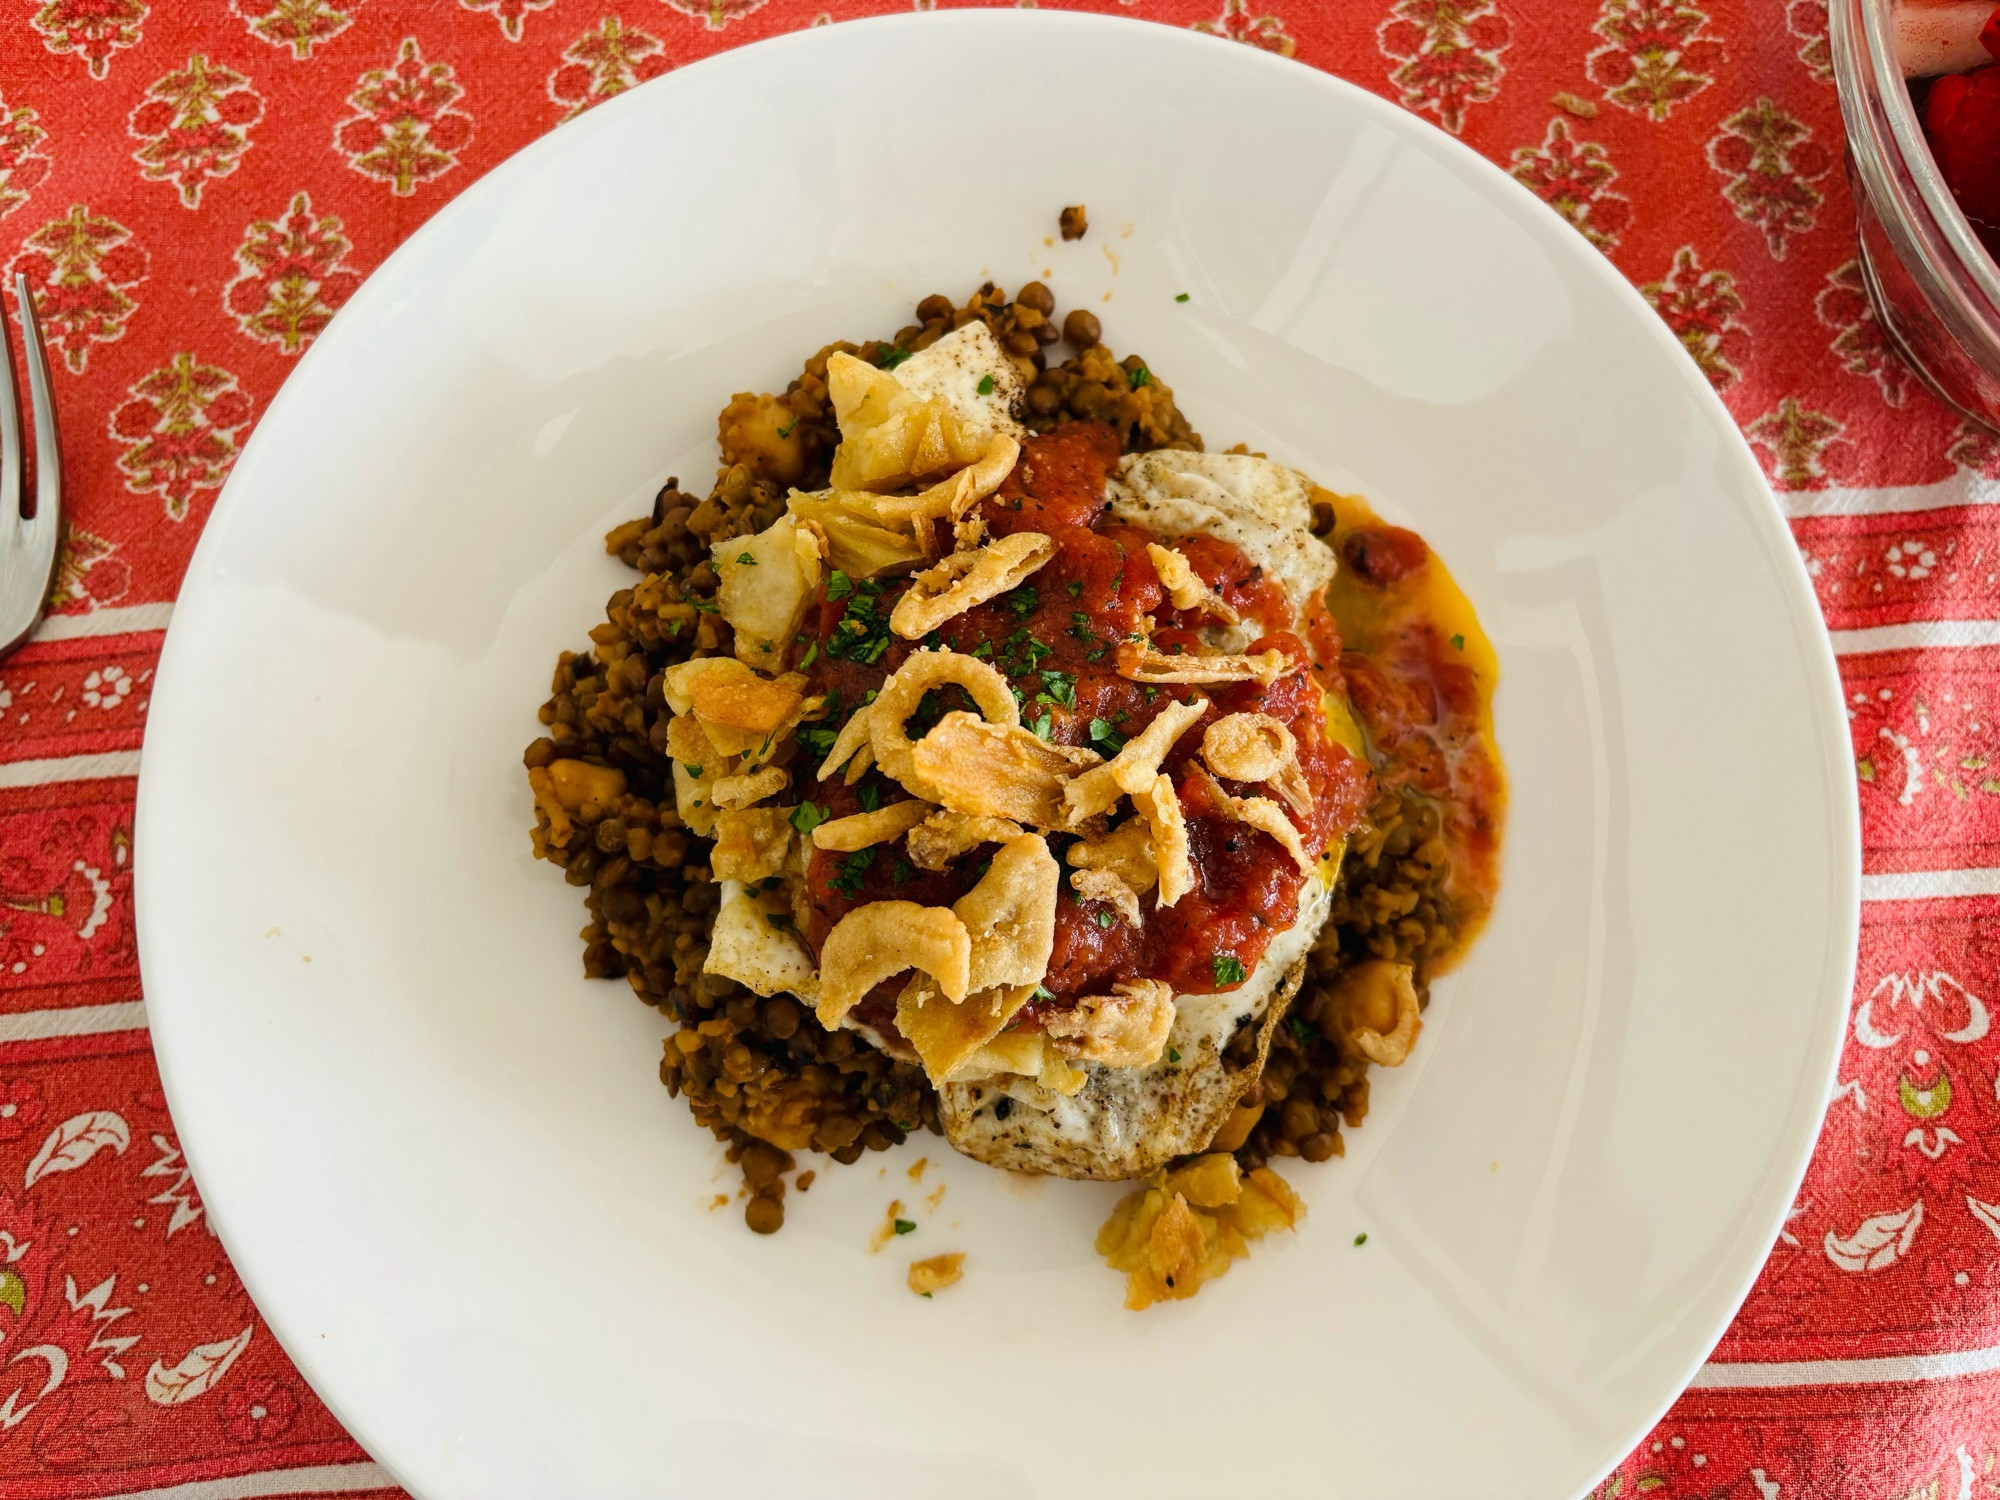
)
(1361, 1238)
(1105, 919)
(870, 797)
(1043, 992)
(1458, 643)
(1228, 968)
(853, 870)
(1041, 727)
(889, 358)
(694, 771)
(1173, 1054)
(1024, 601)
(906, 1226)
(986, 385)
(1139, 377)
(902, 872)
(1075, 587)
(984, 651)
(703, 606)
(674, 626)
(1107, 739)
(807, 816)
(812, 655)
(746, 560)
(786, 431)
(1058, 688)
(839, 585)
(1302, 1029)
(1180, 296)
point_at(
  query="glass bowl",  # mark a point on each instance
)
(1934, 289)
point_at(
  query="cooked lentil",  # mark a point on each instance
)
(762, 1074)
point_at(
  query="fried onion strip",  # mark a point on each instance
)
(995, 770)
(898, 697)
(1161, 808)
(965, 579)
(1260, 813)
(946, 835)
(1139, 662)
(1133, 768)
(1258, 748)
(865, 829)
(1185, 586)
(1126, 1029)
(882, 939)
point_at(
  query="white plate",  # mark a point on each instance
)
(442, 1160)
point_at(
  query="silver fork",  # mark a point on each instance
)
(27, 546)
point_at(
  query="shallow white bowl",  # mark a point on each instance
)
(442, 1160)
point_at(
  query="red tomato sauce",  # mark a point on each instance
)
(1055, 638)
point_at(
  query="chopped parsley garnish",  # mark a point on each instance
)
(746, 559)
(778, 920)
(674, 626)
(984, 651)
(807, 816)
(902, 871)
(1041, 726)
(870, 796)
(1097, 655)
(1079, 628)
(889, 358)
(863, 632)
(982, 867)
(1105, 919)
(1302, 1029)
(694, 771)
(1361, 1238)
(1173, 1054)
(905, 1226)
(1043, 992)
(1458, 643)
(1107, 739)
(786, 431)
(1228, 968)
(703, 606)
(986, 385)
(1058, 688)
(1139, 377)
(812, 655)
(1075, 587)
(1024, 653)
(1180, 296)
(1024, 601)
(839, 585)
(853, 870)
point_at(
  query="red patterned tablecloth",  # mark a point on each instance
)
(194, 186)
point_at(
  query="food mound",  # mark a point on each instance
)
(983, 756)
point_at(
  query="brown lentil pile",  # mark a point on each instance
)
(762, 1074)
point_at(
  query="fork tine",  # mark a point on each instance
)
(47, 524)
(13, 460)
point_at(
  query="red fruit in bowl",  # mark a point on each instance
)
(1962, 119)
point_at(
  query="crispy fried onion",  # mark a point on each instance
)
(1257, 747)
(1027, 1053)
(885, 824)
(949, 499)
(968, 578)
(851, 747)
(1133, 768)
(1260, 813)
(874, 942)
(946, 1036)
(748, 947)
(1124, 1029)
(898, 697)
(946, 835)
(1126, 851)
(1185, 586)
(752, 844)
(698, 765)
(745, 791)
(1140, 662)
(1376, 1007)
(1011, 915)
(996, 770)
(889, 435)
(1161, 809)
(737, 708)
(1102, 885)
